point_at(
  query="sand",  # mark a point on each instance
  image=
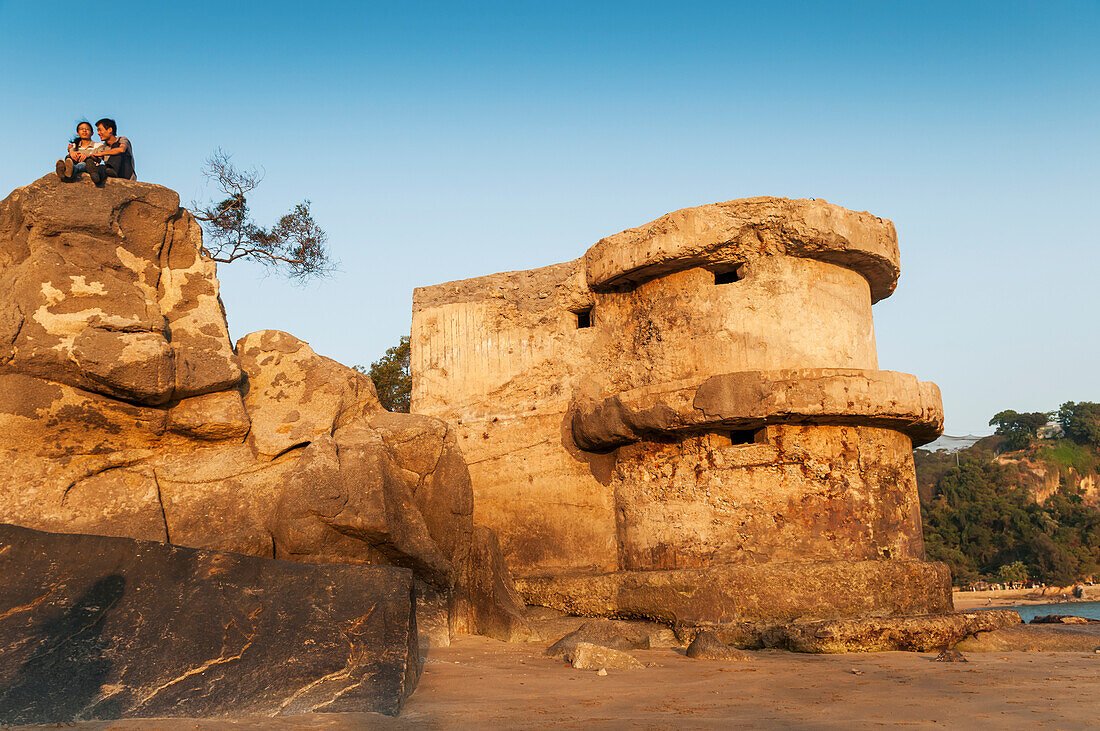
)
(966, 600)
(482, 683)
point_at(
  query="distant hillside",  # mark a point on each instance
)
(1002, 514)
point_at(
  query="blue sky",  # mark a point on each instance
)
(439, 141)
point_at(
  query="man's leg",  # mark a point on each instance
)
(112, 165)
(95, 170)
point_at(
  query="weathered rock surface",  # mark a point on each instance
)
(1063, 619)
(586, 656)
(708, 646)
(496, 608)
(125, 410)
(1035, 638)
(105, 628)
(85, 299)
(604, 633)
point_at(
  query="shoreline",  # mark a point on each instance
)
(1007, 598)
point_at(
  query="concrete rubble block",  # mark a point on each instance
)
(586, 656)
(95, 628)
(926, 633)
(761, 592)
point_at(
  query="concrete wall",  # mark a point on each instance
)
(502, 358)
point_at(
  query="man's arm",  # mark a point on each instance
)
(120, 150)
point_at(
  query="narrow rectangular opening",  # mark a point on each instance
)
(584, 317)
(735, 437)
(728, 274)
(743, 436)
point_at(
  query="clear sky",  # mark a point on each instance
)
(439, 141)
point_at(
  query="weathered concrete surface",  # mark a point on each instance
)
(102, 628)
(743, 230)
(874, 634)
(761, 592)
(125, 410)
(586, 656)
(699, 392)
(754, 399)
(826, 493)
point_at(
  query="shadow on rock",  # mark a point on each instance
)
(68, 670)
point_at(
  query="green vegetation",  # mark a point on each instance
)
(980, 508)
(392, 378)
(1081, 422)
(1019, 429)
(1068, 455)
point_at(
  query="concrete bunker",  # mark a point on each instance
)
(696, 403)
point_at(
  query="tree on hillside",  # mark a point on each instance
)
(1019, 429)
(1081, 422)
(295, 246)
(392, 378)
(1013, 572)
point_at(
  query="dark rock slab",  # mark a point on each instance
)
(93, 627)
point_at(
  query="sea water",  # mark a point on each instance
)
(1075, 609)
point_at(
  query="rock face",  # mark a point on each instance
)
(693, 404)
(125, 410)
(105, 628)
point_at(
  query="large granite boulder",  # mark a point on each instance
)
(125, 410)
(104, 628)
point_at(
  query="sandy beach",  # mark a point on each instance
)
(966, 600)
(482, 683)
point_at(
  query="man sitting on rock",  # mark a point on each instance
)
(116, 161)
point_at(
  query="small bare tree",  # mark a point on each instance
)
(294, 246)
